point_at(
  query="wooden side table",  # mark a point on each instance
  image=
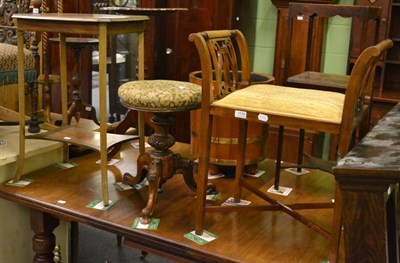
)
(84, 24)
(77, 105)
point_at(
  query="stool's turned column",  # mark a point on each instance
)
(160, 163)
(43, 224)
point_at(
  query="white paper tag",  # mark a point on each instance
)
(240, 114)
(136, 145)
(120, 186)
(262, 117)
(20, 183)
(281, 191)
(99, 205)
(215, 176)
(231, 201)
(66, 165)
(205, 238)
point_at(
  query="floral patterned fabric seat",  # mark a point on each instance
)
(9, 65)
(160, 95)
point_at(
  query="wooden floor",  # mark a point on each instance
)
(243, 236)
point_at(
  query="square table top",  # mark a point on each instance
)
(80, 17)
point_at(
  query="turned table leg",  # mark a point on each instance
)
(44, 240)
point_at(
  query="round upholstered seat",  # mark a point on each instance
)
(160, 95)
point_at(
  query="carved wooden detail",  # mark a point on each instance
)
(8, 29)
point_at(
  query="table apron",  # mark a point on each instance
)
(73, 27)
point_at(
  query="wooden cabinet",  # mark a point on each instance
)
(387, 86)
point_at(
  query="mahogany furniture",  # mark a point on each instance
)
(77, 106)
(313, 141)
(307, 65)
(161, 98)
(368, 177)
(280, 63)
(254, 237)
(52, 52)
(306, 109)
(86, 24)
(303, 67)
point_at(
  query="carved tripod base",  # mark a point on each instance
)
(160, 164)
(77, 106)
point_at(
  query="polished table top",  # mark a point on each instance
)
(243, 236)
(379, 150)
(131, 10)
(78, 17)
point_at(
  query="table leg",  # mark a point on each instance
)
(103, 111)
(21, 98)
(141, 77)
(43, 224)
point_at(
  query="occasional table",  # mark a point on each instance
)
(84, 24)
(77, 106)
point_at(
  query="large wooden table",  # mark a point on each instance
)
(369, 177)
(84, 24)
(267, 236)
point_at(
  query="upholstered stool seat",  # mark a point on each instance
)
(161, 97)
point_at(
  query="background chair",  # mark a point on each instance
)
(303, 66)
(303, 63)
(9, 57)
(306, 109)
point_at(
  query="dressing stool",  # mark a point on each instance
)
(161, 98)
